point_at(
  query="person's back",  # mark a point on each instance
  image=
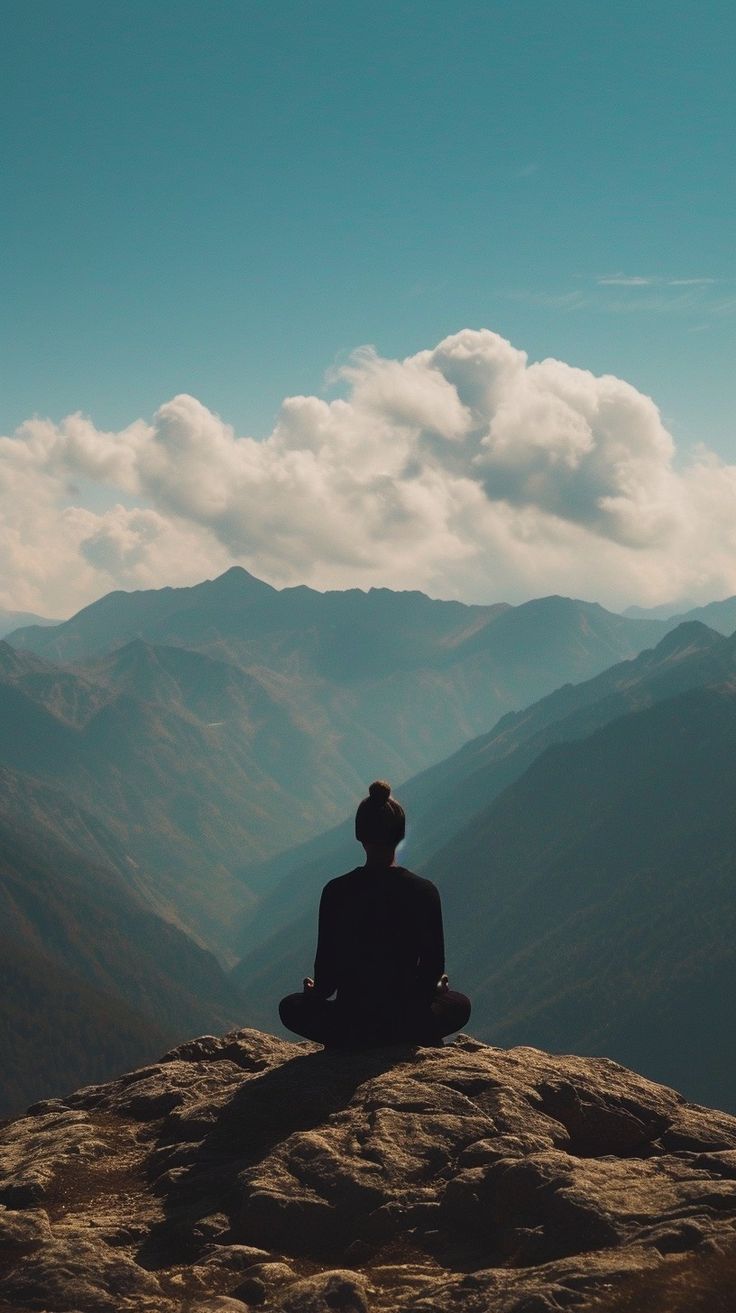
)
(380, 948)
(380, 940)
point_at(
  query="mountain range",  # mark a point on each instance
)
(584, 849)
(174, 765)
(720, 615)
(443, 799)
(211, 727)
(11, 620)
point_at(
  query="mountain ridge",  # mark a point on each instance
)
(215, 725)
(619, 874)
(521, 825)
(445, 796)
(132, 614)
(11, 620)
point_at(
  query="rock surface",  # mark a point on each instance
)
(247, 1172)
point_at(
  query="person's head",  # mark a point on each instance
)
(380, 823)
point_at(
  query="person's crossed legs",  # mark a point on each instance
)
(324, 1021)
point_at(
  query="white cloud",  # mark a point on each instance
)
(637, 280)
(624, 280)
(463, 470)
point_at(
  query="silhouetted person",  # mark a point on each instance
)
(380, 949)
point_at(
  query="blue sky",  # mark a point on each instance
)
(224, 198)
(227, 199)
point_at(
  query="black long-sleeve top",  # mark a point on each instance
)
(380, 937)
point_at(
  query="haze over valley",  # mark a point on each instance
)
(183, 758)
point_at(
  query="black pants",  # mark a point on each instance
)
(335, 1025)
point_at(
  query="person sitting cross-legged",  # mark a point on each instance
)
(380, 949)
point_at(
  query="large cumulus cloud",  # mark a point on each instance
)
(463, 470)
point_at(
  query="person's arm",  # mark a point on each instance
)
(431, 964)
(325, 963)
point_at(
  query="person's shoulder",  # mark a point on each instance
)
(341, 881)
(418, 882)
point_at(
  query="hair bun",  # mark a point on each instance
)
(380, 818)
(379, 792)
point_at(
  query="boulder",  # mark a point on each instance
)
(242, 1171)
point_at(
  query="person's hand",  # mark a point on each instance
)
(443, 984)
(308, 984)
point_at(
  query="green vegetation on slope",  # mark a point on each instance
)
(214, 726)
(589, 903)
(91, 975)
(591, 906)
(57, 1031)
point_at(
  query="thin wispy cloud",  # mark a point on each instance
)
(665, 296)
(623, 280)
(637, 294)
(725, 307)
(639, 280)
(656, 301)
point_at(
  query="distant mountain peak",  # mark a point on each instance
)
(690, 636)
(555, 603)
(236, 581)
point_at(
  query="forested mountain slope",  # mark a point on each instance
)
(57, 1029)
(210, 728)
(442, 799)
(91, 977)
(589, 905)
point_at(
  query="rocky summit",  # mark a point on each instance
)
(244, 1171)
